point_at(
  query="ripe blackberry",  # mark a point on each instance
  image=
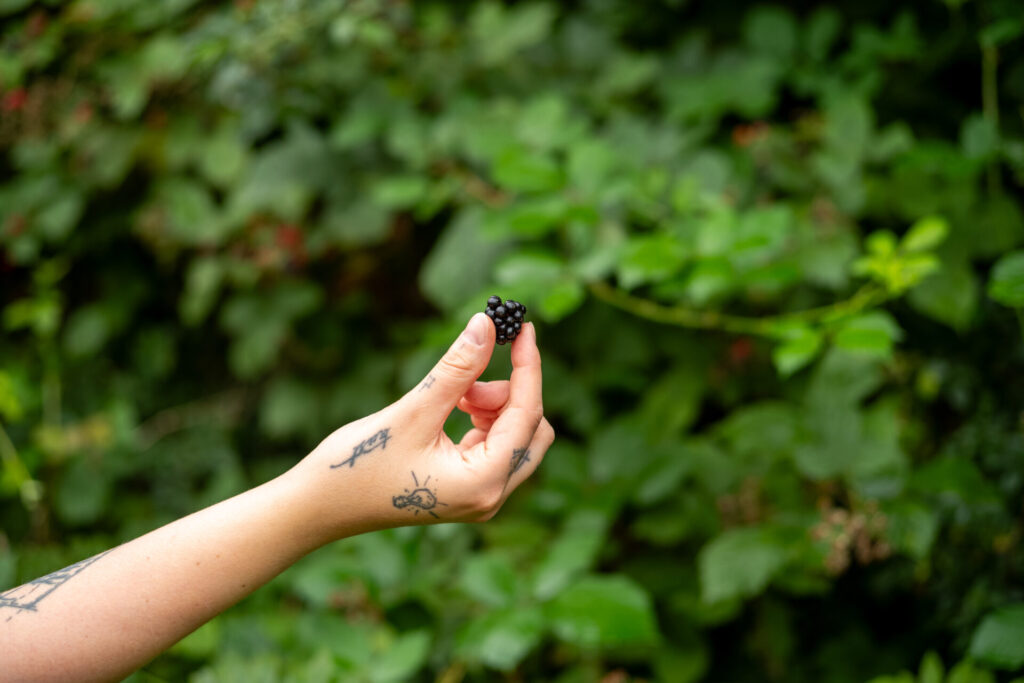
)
(508, 317)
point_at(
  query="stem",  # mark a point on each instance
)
(8, 453)
(866, 297)
(30, 490)
(51, 386)
(990, 103)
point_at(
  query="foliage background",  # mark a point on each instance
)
(775, 257)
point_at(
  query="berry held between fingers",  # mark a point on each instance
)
(508, 317)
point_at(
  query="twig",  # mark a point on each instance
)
(767, 326)
(223, 408)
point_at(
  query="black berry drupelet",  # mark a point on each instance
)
(508, 317)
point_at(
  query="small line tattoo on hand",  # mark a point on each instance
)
(428, 382)
(375, 442)
(26, 597)
(419, 498)
(519, 456)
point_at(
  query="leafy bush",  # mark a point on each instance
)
(776, 254)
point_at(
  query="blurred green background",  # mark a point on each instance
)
(774, 253)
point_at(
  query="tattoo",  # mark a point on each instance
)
(378, 440)
(519, 456)
(26, 598)
(420, 498)
(428, 382)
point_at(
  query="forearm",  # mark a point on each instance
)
(105, 617)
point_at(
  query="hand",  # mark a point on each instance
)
(398, 467)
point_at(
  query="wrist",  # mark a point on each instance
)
(331, 504)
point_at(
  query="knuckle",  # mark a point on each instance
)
(488, 501)
(534, 415)
(547, 433)
(457, 362)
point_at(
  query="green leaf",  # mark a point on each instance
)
(489, 579)
(201, 643)
(88, 330)
(460, 263)
(189, 211)
(403, 658)
(10, 405)
(540, 277)
(740, 563)
(967, 672)
(821, 31)
(925, 234)
(911, 528)
(82, 492)
(1007, 281)
(543, 122)
(521, 170)
(604, 612)
(564, 297)
(8, 7)
(979, 138)
(1001, 31)
(399, 192)
(651, 258)
(289, 408)
(771, 31)
(931, 670)
(573, 552)
(710, 279)
(499, 33)
(954, 480)
(870, 334)
(501, 639)
(672, 403)
(591, 165)
(949, 296)
(202, 285)
(800, 348)
(532, 217)
(57, 219)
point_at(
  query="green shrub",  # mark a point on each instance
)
(775, 256)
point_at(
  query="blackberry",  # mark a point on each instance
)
(508, 317)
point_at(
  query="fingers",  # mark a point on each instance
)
(515, 426)
(485, 397)
(473, 437)
(455, 373)
(525, 462)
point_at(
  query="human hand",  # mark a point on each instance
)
(398, 467)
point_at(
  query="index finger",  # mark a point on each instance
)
(516, 425)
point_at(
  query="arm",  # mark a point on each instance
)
(106, 616)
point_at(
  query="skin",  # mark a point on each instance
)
(113, 615)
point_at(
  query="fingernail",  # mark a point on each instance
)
(476, 330)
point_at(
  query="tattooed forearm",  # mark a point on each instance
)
(378, 440)
(26, 598)
(427, 383)
(419, 498)
(519, 456)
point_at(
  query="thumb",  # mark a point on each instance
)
(458, 369)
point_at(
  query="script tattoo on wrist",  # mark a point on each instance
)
(428, 382)
(519, 456)
(26, 597)
(375, 442)
(420, 499)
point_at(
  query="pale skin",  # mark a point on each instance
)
(393, 468)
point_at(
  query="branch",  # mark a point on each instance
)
(868, 296)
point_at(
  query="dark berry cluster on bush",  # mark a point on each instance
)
(508, 317)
